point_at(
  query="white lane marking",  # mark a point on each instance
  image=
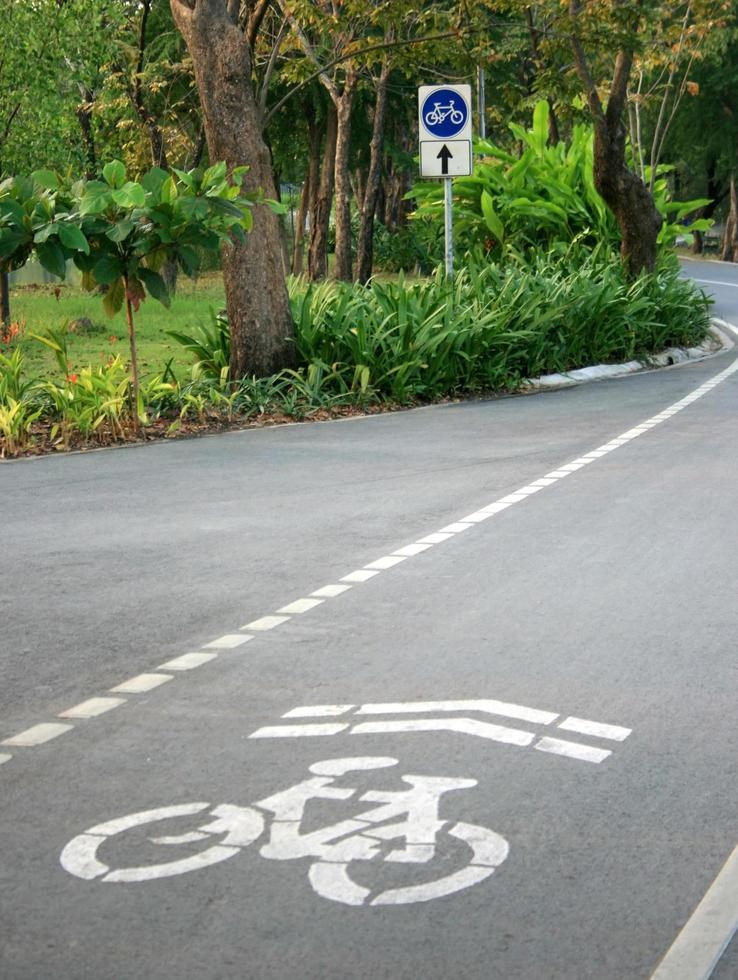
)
(265, 623)
(595, 728)
(543, 482)
(456, 528)
(486, 705)
(330, 591)
(38, 734)
(477, 517)
(141, 683)
(410, 550)
(297, 731)
(387, 561)
(5, 758)
(92, 708)
(360, 575)
(319, 711)
(228, 642)
(496, 508)
(697, 949)
(573, 750)
(438, 537)
(188, 661)
(300, 606)
(466, 726)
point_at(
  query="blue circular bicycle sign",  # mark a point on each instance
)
(444, 113)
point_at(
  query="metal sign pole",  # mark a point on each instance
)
(481, 105)
(449, 225)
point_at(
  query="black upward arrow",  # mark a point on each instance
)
(444, 156)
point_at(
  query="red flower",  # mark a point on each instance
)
(72, 378)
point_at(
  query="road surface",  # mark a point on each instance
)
(442, 693)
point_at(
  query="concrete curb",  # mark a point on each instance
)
(718, 342)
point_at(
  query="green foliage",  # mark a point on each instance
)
(540, 198)
(209, 345)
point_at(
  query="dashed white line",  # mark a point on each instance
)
(456, 528)
(360, 575)
(188, 661)
(141, 683)
(265, 623)
(387, 561)
(92, 708)
(228, 642)
(38, 734)
(595, 728)
(410, 550)
(330, 591)
(300, 606)
(4, 757)
(573, 750)
(437, 537)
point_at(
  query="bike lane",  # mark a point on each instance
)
(602, 600)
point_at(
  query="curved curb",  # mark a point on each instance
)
(718, 342)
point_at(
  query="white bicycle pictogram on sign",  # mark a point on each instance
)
(440, 113)
(410, 815)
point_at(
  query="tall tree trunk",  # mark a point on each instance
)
(258, 306)
(730, 239)
(365, 257)
(318, 252)
(344, 265)
(627, 197)
(299, 248)
(309, 188)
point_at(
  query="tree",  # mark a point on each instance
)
(221, 48)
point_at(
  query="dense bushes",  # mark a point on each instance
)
(493, 327)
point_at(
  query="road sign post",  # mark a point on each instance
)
(445, 129)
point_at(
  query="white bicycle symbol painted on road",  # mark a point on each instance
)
(439, 113)
(410, 815)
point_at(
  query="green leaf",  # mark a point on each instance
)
(46, 179)
(168, 191)
(540, 126)
(51, 257)
(114, 297)
(95, 199)
(491, 218)
(154, 284)
(73, 239)
(153, 181)
(108, 269)
(120, 230)
(114, 173)
(188, 258)
(45, 232)
(130, 196)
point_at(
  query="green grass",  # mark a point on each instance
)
(37, 307)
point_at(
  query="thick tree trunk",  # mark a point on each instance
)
(344, 264)
(730, 239)
(258, 306)
(318, 252)
(4, 299)
(627, 197)
(365, 256)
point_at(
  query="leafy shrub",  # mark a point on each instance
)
(544, 196)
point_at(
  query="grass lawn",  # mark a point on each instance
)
(39, 307)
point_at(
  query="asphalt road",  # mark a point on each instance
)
(555, 680)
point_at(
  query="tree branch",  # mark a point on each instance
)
(582, 65)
